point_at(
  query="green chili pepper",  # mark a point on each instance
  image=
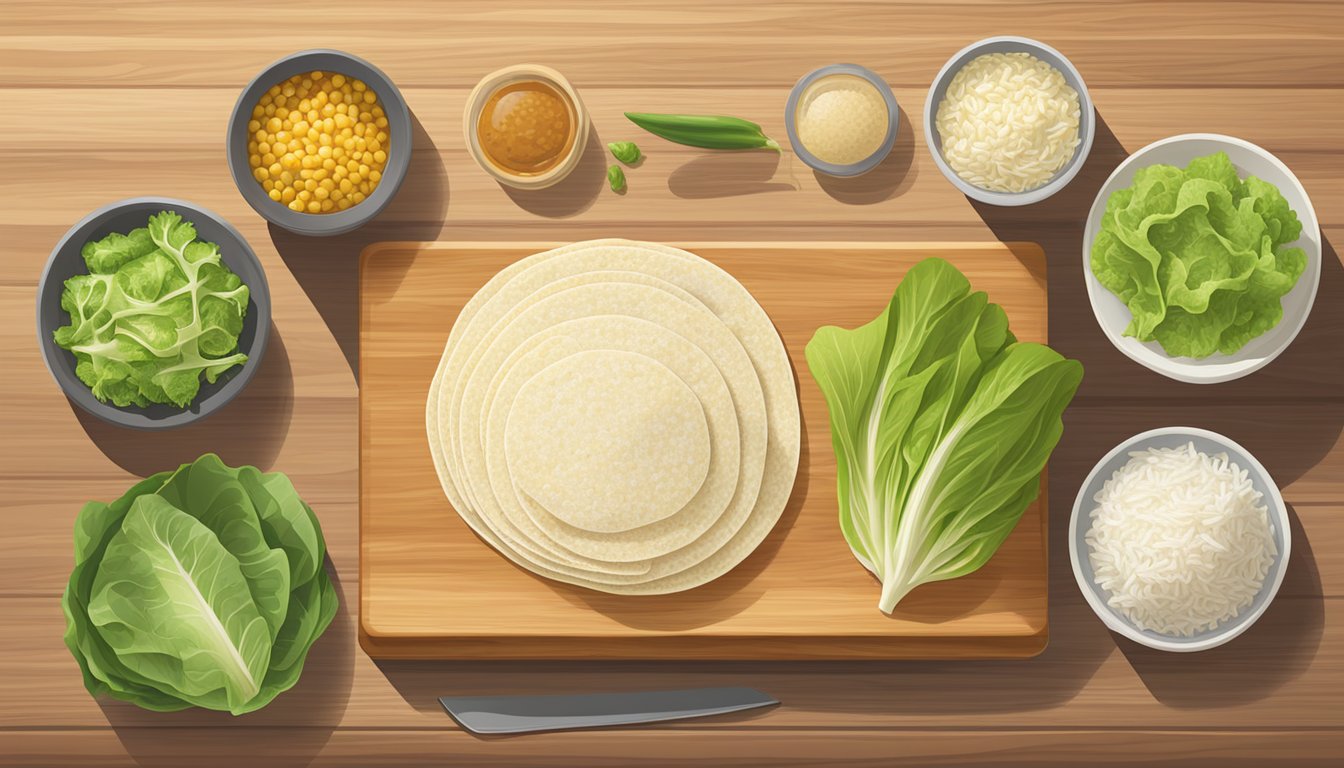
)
(616, 178)
(625, 151)
(705, 131)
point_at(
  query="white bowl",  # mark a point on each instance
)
(1208, 442)
(1114, 316)
(1087, 120)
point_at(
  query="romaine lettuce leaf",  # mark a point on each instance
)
(941, 423)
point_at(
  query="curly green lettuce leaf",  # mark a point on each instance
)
(1200, 257)
(158, 311)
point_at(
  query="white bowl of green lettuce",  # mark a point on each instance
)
(1202, 256)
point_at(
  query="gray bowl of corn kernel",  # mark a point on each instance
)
(312, 149)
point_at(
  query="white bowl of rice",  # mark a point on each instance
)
(1179, 539)
(1009, 121)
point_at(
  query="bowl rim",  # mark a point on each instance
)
(1174, 367)
(845, 170)
(491, 82)
(1278, 512)
(259, 295)
(327, 224)
(1061, 178)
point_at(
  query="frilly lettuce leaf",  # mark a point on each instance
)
(1199, 256)
(157, 311)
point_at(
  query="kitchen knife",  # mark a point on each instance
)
(526, 714)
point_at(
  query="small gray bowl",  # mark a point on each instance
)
(1087, 123)
(1208, 442)
(66, 261)
(398, 130)
(832, 169)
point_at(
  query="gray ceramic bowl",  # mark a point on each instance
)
(399, 151)
(1087, 123)
(66, 262)
(1208, 442)
(851, 169)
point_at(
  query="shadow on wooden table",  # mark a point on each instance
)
(727, 174)
(327, 268)
(893, 177)
(573, 195)
(249, 430)
(290, 731)
(1278, 648)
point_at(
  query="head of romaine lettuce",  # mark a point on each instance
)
(157, 310)
(199, 587)
(1199, 256)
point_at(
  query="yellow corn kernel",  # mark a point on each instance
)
(254, 160)
(304, 195)
(320, 173)
(329, 164)
(321, 193)
(370, 97)
(274, 168)
(346, 186)
(359, 85)
(328, 205)
(379, 156)
(358, 197)
(287, 177)
(268, 159)
(295, 205)
(261, 174)
(269, 110)
(288, 90)
(257, 111)
(381, 136)
(314, 207)
(344, 203)
(375, 175)
(274, 194)
(352, 166)
(287, 195)
(356, 177)
(338, 80)
(316, 75)
(306, 173)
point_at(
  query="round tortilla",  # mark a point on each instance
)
(709, 556)
(607, 441)
(692, 366)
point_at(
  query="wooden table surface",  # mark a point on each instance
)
(111, 100)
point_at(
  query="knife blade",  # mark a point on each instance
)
(527, 714)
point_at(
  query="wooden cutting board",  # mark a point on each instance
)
(429, 588)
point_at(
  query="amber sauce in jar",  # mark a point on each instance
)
(527, 128)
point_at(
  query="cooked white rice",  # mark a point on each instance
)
(1179, 540)
(1008, 122)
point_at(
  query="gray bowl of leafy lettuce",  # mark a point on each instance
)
(180, 402)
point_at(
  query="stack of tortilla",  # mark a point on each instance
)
(617, 415)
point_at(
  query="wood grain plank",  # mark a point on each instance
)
(651, 44)
(206, 747)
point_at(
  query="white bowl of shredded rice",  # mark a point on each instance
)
(1179, 539)
(1009, 121)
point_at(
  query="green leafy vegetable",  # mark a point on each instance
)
(705, 131)
(625, 151)
(941, 423)
(616, 178)
(157, 310)
(1199, 256)
(199, 587)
